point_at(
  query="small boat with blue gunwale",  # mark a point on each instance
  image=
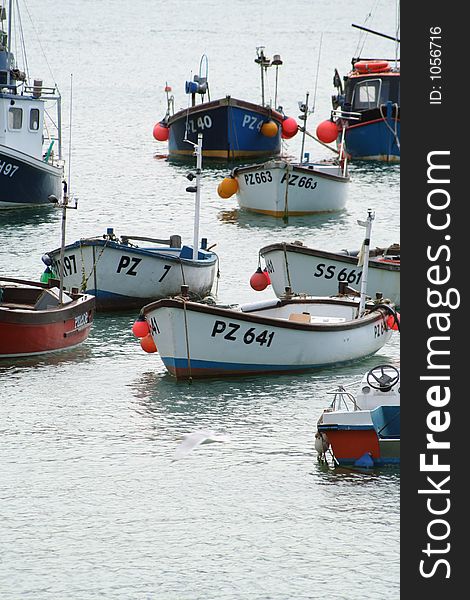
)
(232, 128)
(29, 170)
(122, 275)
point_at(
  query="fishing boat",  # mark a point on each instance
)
(290, 334)
(122, 275)
(232, 128)
(364, 429)
(282, 188)
(34, 320)
(30, 169)
(310, 271)
(368, 105)
(42, 317)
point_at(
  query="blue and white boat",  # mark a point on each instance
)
(122, 275)
(368, 105)
(30, 170)
(232, 128)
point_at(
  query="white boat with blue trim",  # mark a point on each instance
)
(122, 275)
(30, 170)
(195, 340)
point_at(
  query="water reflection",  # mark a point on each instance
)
(249, 220)
(19, 217)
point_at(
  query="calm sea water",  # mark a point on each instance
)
(91, 504)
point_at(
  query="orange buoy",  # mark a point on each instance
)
(258, 280)
(147, 344)
(371, 66)
(327, 131)
(269, 129)
(161, 132)
(289, 128)
(140, 328)
(227, 187)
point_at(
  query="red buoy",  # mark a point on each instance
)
(161, 132)
(393, 323)
(148, 344)
(140, 328)
(258, 280)
(327, 131)
(289, 128)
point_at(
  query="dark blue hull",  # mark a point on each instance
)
(230, 130)
(26, 181)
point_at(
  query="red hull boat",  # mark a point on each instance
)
(34, 321)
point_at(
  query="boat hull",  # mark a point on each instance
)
(353, 433)
(230, 130)
(26, 332)
(26, 181)
(280, 189)
(124, 277)
(316, 272)
(374, 140)
(195, 340)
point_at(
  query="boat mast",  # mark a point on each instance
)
(264, 63)
(9, 18)
(364, 258)
(197, 208)
(396, 33)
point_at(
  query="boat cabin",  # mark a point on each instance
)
(370, 85)
(366, 92)
(21, 123)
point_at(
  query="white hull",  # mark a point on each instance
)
(280, 189)
(195, 340)
(315, 272)
(121, 276)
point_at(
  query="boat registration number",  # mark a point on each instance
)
(302, 182)
(330, 271)
(379, 329)
(8, 169)
(258, 177)
(81, 321)
(233, 332)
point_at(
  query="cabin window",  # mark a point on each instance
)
(34, 119)
(15, 118)
(366, 94)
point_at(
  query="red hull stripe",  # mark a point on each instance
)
(16, 339)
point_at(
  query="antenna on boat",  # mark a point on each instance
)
(363, 259)
(64, 204)
(304, 107)
(397, 21)
(197, 190)
(10, 19)
(276, 62)
(264, 63)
